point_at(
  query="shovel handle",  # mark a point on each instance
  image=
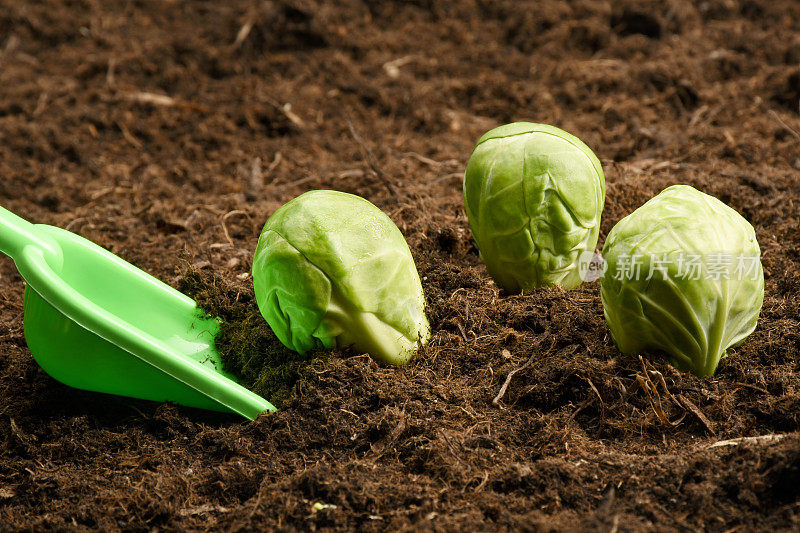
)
(16, 233)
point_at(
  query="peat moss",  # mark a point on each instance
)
(248, 347)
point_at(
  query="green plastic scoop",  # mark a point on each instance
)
(96, 322)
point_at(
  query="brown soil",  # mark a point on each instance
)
(385, 99)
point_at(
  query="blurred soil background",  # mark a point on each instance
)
(167, 132)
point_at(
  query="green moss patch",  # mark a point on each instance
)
(248, 347)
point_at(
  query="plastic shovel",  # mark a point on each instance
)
(96, 322)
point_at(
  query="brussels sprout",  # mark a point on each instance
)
(683, 276)
(533, 195)
(332, 270)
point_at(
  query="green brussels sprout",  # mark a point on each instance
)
(683, 276)
(332, 270)
(533, 195)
